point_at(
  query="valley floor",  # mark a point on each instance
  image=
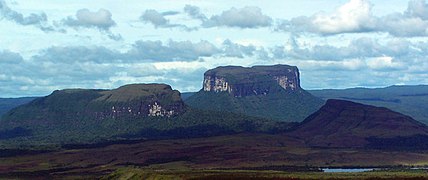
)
(241, 156)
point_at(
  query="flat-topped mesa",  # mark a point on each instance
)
(126, 102)
(143, 100)
(257, 80)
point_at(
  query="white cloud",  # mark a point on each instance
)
(353, 16)
(38, 20)
(101, 19)
(247, 17)
(384, 63)
(402, 26)
(356, 16)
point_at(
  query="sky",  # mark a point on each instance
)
(47, 45)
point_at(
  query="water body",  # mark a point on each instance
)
(347, 169)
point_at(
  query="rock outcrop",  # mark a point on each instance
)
(256, 80)
(341, 123)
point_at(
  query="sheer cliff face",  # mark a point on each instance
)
(257, 80)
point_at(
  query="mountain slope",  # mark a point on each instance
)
(262, 91)
(282, 106)
(342, 123)
(409, 100)
(6, 104)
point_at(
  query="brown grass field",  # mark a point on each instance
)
(240, 156)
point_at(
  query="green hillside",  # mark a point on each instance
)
(283, 106)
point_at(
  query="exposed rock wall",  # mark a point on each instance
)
(257, 80)
(142, 109)
(216, 84)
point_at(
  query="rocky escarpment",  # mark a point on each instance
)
(139, 100)
(341, 123)
(257, 80)
(262, 91)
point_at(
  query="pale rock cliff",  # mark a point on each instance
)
(257, 80)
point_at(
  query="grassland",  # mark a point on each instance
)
(240, 156)
(135, 173)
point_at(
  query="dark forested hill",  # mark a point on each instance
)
(341, 123)
(409, 100)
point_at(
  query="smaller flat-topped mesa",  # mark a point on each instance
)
(143, 100)
(131, 101)
(257, 80)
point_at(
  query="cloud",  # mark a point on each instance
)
(37, 20)
(72, 54)
(417, 8)
(398, 25)
(359, 48)
(154, 17)
(101, 20)
(170, 13)
(141, 51)
(356, 16)
(85, 18)
(195, 12)
(8, 57)
(247, 17)
(384, 64)
(231, 49)
(158, 19)
(172, 51)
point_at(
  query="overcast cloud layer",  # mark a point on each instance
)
(48, 45)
